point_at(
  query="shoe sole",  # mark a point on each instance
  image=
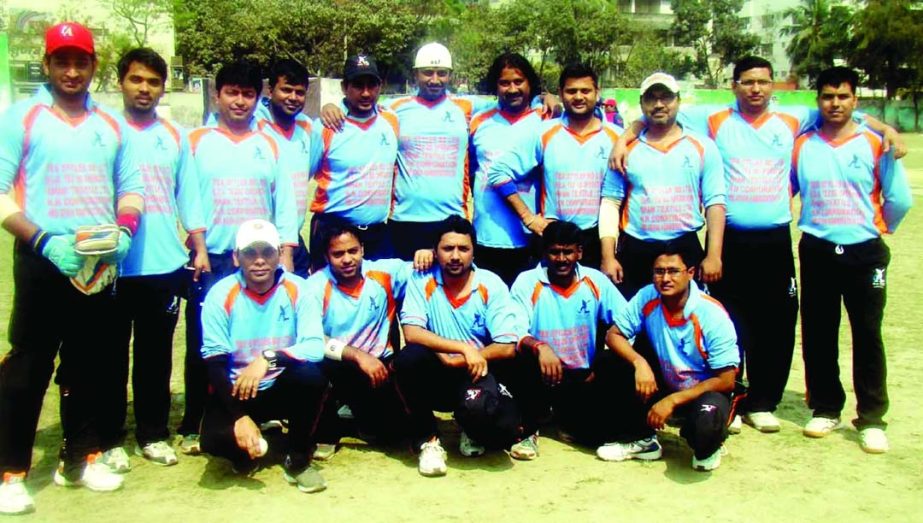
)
(470, 454)
(28, 509)
(523, 457)
(61, 481)
(820, 434)
(432, 473)
(641, 456)
(306, 490)
(765, 429)
(140, 453)
(324, 456)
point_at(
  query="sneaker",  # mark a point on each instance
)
(14, 498)
(116, 459)
(873, 440)
(158, 452)
(735, 426)
(820, 426)
(325, 451)
(345, 412)
(308, 480)
(708, 464)
(432, 459)
(763, 421)
(273, 424)
(96, 476)
(470, 448)
(191, 446)
(647, 449)
(525, 450)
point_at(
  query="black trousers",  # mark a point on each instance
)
(425, 385)
(505, 263)
(297, 395)
(857, 275)
(49, 315)
(760, 292)
(409, 237)
(149, 306)
(592, 247)
(375, 239)
(379, 411)
(195, 377)
(637, 259)
(301, 259)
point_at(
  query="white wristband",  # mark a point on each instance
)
(334, 349)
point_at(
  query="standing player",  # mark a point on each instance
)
(65, 162)
(240, 178)
(851, 194)
(355, 177)
(562, 303)
(695, 345)
(283, 119)
(262, 344)
(152, 276)
(672, 173)
(357, 299)
(572, 153)
(502, 240)
(457, 320)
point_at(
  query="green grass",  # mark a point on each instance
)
(764, 478)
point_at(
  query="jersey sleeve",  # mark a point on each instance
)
(720, 340)
(714, 191)
(413, 312)
(516, 164)
(309, 337)
(317, 147)
(284, 209)
(630, 320)
(12, 134)
(895, 190)
(401, 272)
(695, 117)
(502, 320)
(216, 332)
(613, 185)
(521, 296)
(188, 201)
(611, 301)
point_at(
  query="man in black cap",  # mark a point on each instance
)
(356, 174)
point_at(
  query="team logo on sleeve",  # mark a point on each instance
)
(878, 278)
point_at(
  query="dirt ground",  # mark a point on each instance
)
(776, 477)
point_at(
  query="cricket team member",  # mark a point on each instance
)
(851, 194)
(562, 303)
(355, 177)
(572, 153)
(262, 342)
(152, 276)
(457, 321)
(64, 162)
(283, 119)
(503, 242)
(671, 174)
(696, 347)
(241, 177)
(357, 299)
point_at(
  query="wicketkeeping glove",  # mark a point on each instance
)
(97, 240)
(60, 251)
(121, 250)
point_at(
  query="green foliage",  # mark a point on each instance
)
(820, 34)
(886, 44)
(644, 53)
(715, 33)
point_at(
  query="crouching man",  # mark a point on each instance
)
(262, 341)
(695, 344)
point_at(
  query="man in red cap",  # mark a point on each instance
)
(65, 162)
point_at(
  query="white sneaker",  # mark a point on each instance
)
(96, 477)
(763, 421)
(873, 440)
(525, 450)
(116, 459)
(820, 426)
(325, 451)
(14, 498)
(708, 464)
(432, 459)
(345, 412)
(470, 448)
(647, 449)
(191, 445)
(158, 452)
(736, 425)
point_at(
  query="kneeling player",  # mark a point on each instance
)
(696, 346)
(262, 342)
(357, 300)
(562, 303)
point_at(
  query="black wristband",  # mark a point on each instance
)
(39, 240)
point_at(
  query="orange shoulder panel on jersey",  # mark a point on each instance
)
(195, 136)
(27, 122)
(384, 279)
(592, 285)
(231, 298)
(614, 136)
(328, 291)
(482, 290)
(713, 300)
(327, 136)
(465, 105)
(700, 148)
(625, 218)
(399, 102)
(272, 144)
(304, 124)
(536, 292)
(391, 118)
(715, 121)
(876, 144)
(481, 118)
(796, 150)
(549, 134)
(430, 288)
(697, 333)
(292, 290)
(650, 306)
(791, 122)
(174, 132)
(112, 123)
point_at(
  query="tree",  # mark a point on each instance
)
(885, 43)
(714, 31)
(820, 34)
(141, 16)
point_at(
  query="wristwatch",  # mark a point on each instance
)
(271, 358)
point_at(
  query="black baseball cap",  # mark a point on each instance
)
(360, 65)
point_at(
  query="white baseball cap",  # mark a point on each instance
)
(659, 78)
(256, 231)
(433, 55)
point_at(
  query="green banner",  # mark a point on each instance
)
(6, 87)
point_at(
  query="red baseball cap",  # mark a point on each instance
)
(68, 34)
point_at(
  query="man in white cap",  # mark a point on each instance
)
(672, 173)
(262, 340)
